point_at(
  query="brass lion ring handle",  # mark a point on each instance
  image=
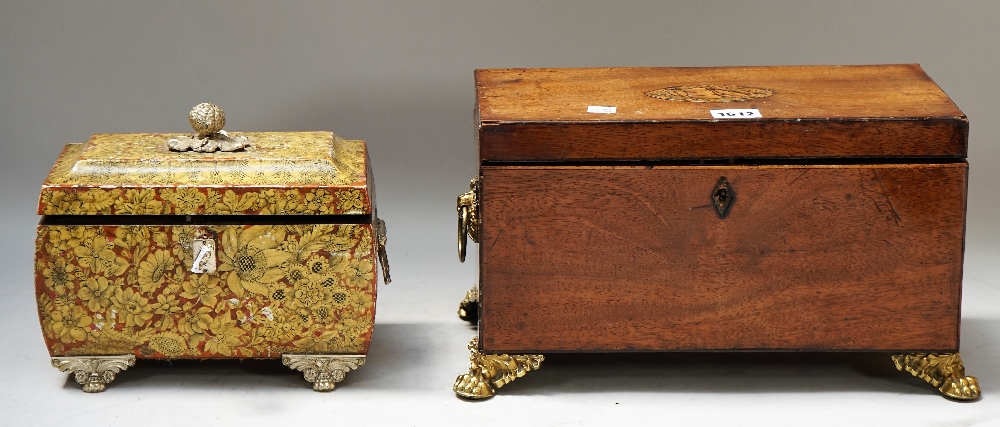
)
(468, 217)
(463, 231)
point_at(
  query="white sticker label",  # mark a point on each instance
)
(735, 113)
(601, 109)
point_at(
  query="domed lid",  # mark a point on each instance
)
(277, 173)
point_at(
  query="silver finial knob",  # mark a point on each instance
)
(207, 119)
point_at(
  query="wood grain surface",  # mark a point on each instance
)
(815, 111)
(618, 258)
(943, 138)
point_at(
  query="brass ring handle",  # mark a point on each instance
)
(463, 231)
(383, 256)
(468, 217)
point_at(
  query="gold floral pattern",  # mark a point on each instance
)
(358, 272)
(97, 256)
(209, 201)
(350, 201)
(251, 256)
(68, 324)
(203, 288)
(136, 202)
(96, 292)
(278, 289)
(154, 270)
(58, 273)
(135, 310)
(113, 174)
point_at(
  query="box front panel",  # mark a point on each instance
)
(108, 290)
(852, 257)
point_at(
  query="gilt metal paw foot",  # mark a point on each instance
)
(468, 309)
(942, 370)
(488, 372)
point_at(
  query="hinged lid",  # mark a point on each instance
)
(276, 173)
(666, 114)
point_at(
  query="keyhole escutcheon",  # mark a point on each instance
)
(723, 197)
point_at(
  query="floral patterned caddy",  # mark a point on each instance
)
(112, 282)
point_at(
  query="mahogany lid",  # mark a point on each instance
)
(867, 111)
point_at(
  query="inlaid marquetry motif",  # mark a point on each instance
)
(113, 290)
(710, 93)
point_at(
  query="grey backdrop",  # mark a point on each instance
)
(399, 75)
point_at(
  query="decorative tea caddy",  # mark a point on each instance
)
(816, 208)
(210, 245)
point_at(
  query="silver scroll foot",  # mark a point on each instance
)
(322, 370)
(94, 372)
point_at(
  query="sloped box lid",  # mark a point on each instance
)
(803, 112)
(280, 173)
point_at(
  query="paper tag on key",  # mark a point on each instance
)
(204, 256)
